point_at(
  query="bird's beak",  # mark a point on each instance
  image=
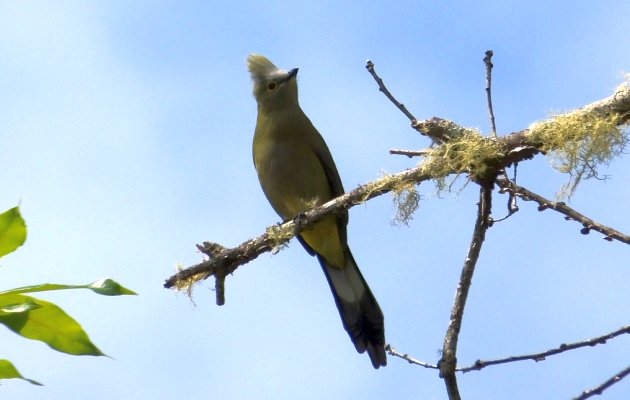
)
(290, 75)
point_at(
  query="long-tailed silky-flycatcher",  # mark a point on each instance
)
(296, 172)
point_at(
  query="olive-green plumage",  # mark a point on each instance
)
(296, 172)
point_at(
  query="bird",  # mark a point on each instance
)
(296, 172)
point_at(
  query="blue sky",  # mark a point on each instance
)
(125, 135)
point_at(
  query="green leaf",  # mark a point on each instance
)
(8, 305)
(8, 371)
(12, 231)
(108, 287)
(49, 324)
(105, 287)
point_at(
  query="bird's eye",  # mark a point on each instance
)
(271, 86)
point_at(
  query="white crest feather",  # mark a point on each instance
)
(260, 67)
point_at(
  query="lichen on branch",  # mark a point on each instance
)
(579, 142)
(469, 153)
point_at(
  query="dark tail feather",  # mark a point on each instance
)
(360, 313)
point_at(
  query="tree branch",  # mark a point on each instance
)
(410, 359)
(479, 364)
(539, 138)
(515, 147)
(570, 214)
(600, 389)
(408, 153)
(223, 261)
(369, 65)
(448, 363)
(455, 150)
(541, 356)
(487, 60)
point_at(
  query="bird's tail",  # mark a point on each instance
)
(360, 313)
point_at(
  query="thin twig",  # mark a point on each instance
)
(512, 202)
(570, 214)
(212, 250)
(393, 352)
(600, 389)
(448, 363)
(479, 364)
(408, 153)
(541, 356)
(487, 60)
(381, 86)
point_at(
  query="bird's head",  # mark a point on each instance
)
(273, 87)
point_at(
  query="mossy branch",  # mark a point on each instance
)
(578, 140)
(462, 151)
(222, 261)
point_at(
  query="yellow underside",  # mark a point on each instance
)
(324, 239)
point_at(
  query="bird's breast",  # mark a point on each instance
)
(290, 172)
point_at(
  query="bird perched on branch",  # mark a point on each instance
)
(296, 172)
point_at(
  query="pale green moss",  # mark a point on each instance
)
(469, 153)
(280, 234)
(579, 143)
(186, 285)
(407, 200)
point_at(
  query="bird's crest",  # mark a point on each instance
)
(260, 67)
